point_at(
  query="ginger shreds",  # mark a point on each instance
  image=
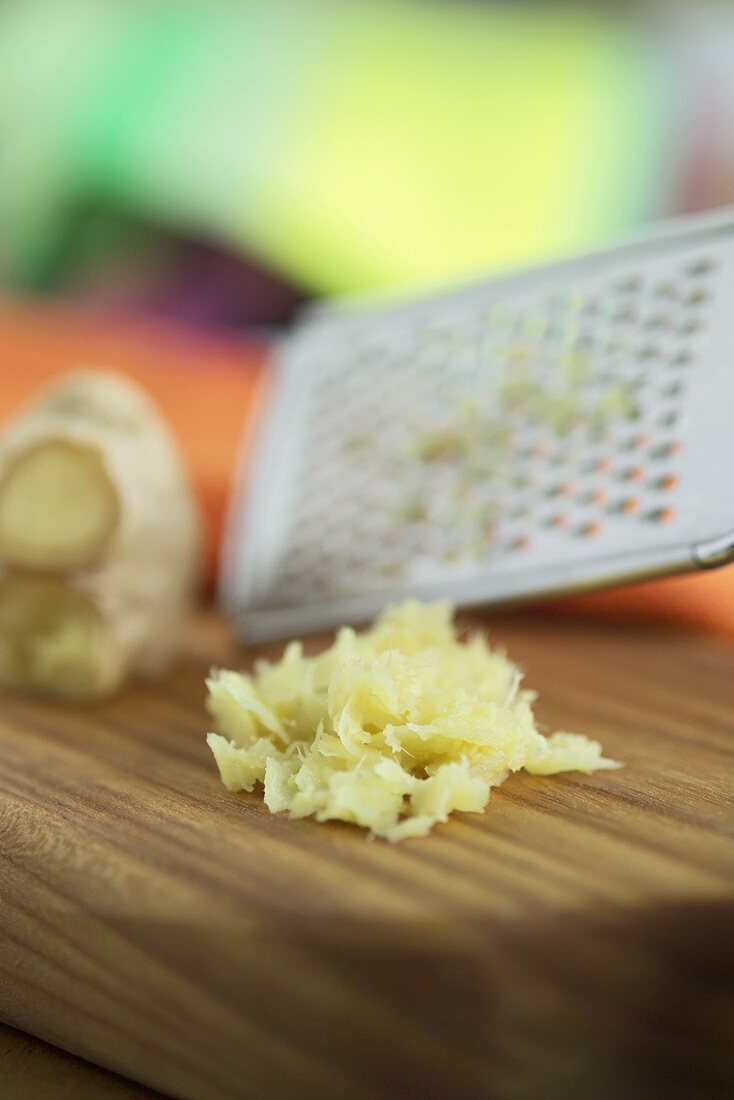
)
(391, 729)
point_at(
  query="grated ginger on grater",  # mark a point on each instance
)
(392, 729)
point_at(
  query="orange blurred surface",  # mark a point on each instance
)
(206, 386)
(702, 600)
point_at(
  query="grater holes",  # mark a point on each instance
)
(665, 484)
(690, 325)
(626, 506)
(625, 315)
(672, 389)
(669, 419)
(589, 530)
(594, 497)
(648, 352)
(639, 442)
(667, 291)
(666, 450)
(682, 358)
(656, 322)
(629, 332)
(697, 296)
(632, 473)
(661, 515)
(560, 490)
(703, 265)
(630, 284)
(558, 521)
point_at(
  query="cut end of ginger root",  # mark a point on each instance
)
(58, 506)
(99, 540)
(392, 729)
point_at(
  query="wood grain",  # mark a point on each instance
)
(574, 941)
(33, 1070)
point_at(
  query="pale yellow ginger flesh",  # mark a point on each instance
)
(99, 540)
(49, 638)
(58, 507)
(391, 729)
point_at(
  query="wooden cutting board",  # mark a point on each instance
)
(574, 941)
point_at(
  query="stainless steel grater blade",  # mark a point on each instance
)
(554, 430)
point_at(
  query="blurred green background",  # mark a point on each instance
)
(220, 162)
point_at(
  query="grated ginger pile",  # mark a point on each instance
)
(391, 729)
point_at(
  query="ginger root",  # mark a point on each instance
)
(99, 541)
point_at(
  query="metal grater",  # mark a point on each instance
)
(555, 430)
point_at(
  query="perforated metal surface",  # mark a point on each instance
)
(516, 425)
